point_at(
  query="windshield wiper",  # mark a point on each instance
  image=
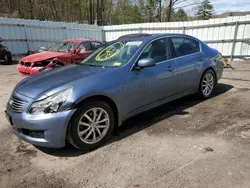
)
(91, 64)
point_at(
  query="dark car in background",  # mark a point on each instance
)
(5, 54)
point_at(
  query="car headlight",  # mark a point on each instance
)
(50, 104)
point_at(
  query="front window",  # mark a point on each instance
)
(113, 55)
(159, 50)
(63, 47)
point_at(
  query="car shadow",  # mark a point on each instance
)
(143, 120)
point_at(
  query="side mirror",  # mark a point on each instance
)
(146, 62)
(77, 51)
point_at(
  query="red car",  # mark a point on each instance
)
(62, 53)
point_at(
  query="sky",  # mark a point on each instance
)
(221, 6)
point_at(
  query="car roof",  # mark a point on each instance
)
(134, 35)
(148, 37)
(80, 40)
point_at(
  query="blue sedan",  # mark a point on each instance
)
(83, 103)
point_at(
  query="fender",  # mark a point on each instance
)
(101, 96)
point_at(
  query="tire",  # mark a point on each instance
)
(80, 124)
(7, 57)
(207, 77)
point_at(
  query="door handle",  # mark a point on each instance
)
(170, 68)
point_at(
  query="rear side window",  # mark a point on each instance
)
(185, 46)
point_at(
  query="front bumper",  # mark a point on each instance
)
(54, 127)
(26, 71)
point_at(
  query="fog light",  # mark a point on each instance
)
(33, 134)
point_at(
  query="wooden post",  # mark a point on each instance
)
(234, 40)
(26, 36)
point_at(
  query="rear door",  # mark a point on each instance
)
(189, 60)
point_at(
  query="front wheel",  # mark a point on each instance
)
(91, 126)
(207, 84)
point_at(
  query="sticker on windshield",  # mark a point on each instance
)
(117, 64)
(109, 52)
(134, 43)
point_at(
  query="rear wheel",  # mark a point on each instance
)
(207, 84)
(91, 126)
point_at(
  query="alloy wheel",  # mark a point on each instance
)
(93, 125)
(207, 84)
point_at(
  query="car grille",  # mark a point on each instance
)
(16, 104)
(26, 64)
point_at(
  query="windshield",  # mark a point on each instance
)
(113, 55)
(62, 47)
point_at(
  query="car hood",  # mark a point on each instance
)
(42, 56)
(35, 86)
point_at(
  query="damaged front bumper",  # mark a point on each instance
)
(28, 69)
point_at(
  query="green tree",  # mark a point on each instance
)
(150, 10)
(168, 17)
(124, 12)
(205, 10)
(103, 12)
(158, 4)
(181, 15)
(142, 9)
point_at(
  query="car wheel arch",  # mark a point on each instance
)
(103, 98)
(201, 75)
(212, 69)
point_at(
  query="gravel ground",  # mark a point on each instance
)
(186, 143)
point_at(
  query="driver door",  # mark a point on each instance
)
(152, 86)
(81, 52)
